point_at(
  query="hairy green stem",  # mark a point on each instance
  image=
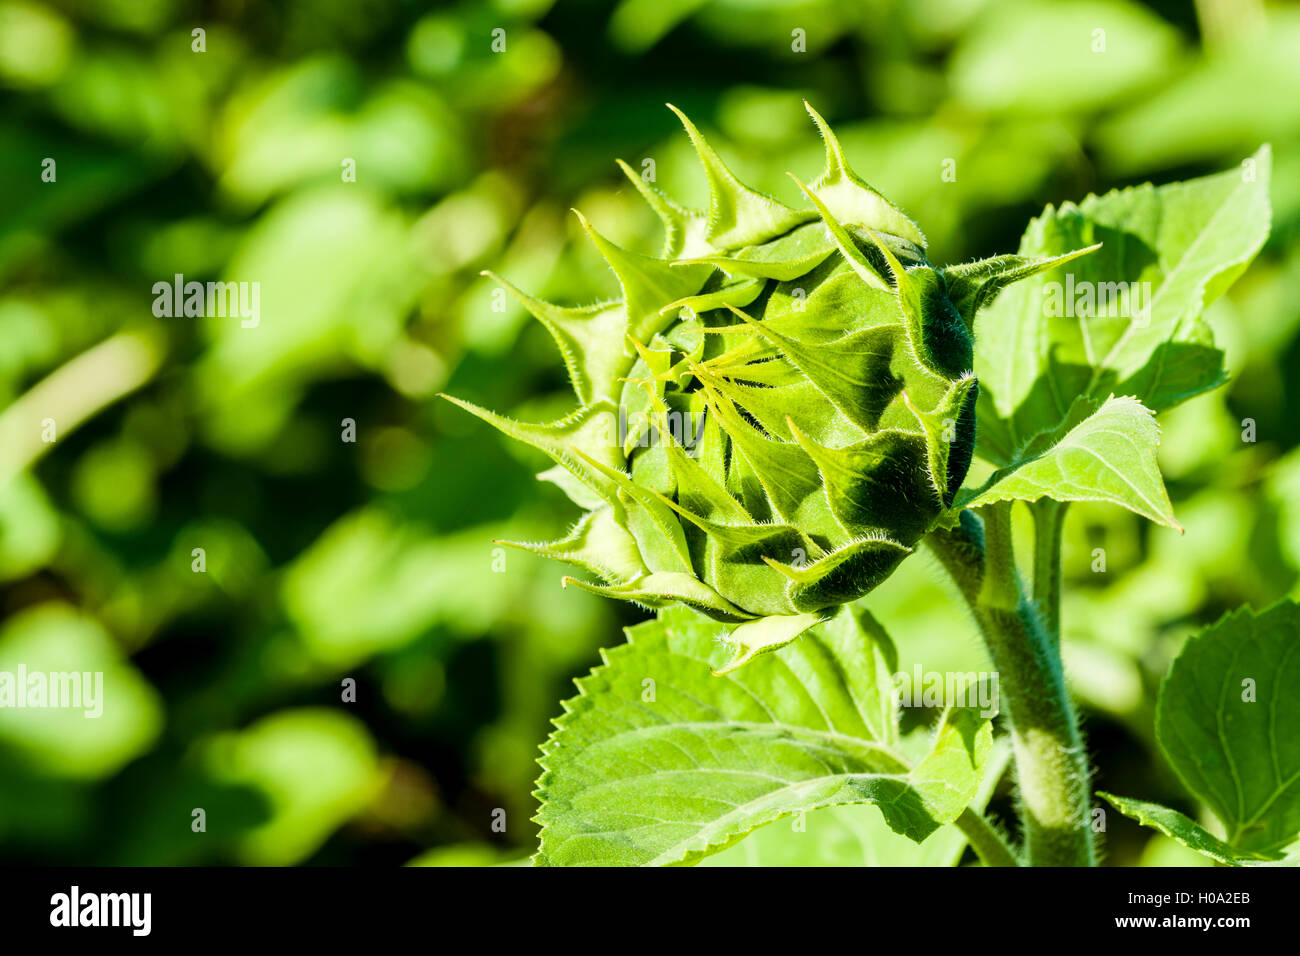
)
(1051, 765)
(987, 842)
(1049, 522)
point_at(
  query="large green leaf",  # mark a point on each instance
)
(1108, 456)
(659, 761)
(1037, 352)
(1228, 720)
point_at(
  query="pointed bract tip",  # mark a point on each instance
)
(685, 120)
(817, 117)
(632, 175)
(697, 138)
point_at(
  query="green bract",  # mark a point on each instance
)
(775, 411)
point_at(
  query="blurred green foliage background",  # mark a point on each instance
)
(375, 560)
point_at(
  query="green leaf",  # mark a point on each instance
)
(1108, 456)
(658, 761)
(1228, 720)
(1166, 253)
(1182, 828)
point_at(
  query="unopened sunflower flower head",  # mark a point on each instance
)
(775, 411)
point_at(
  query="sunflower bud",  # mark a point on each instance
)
(775, 411)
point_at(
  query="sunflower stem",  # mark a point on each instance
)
(1051, 765)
